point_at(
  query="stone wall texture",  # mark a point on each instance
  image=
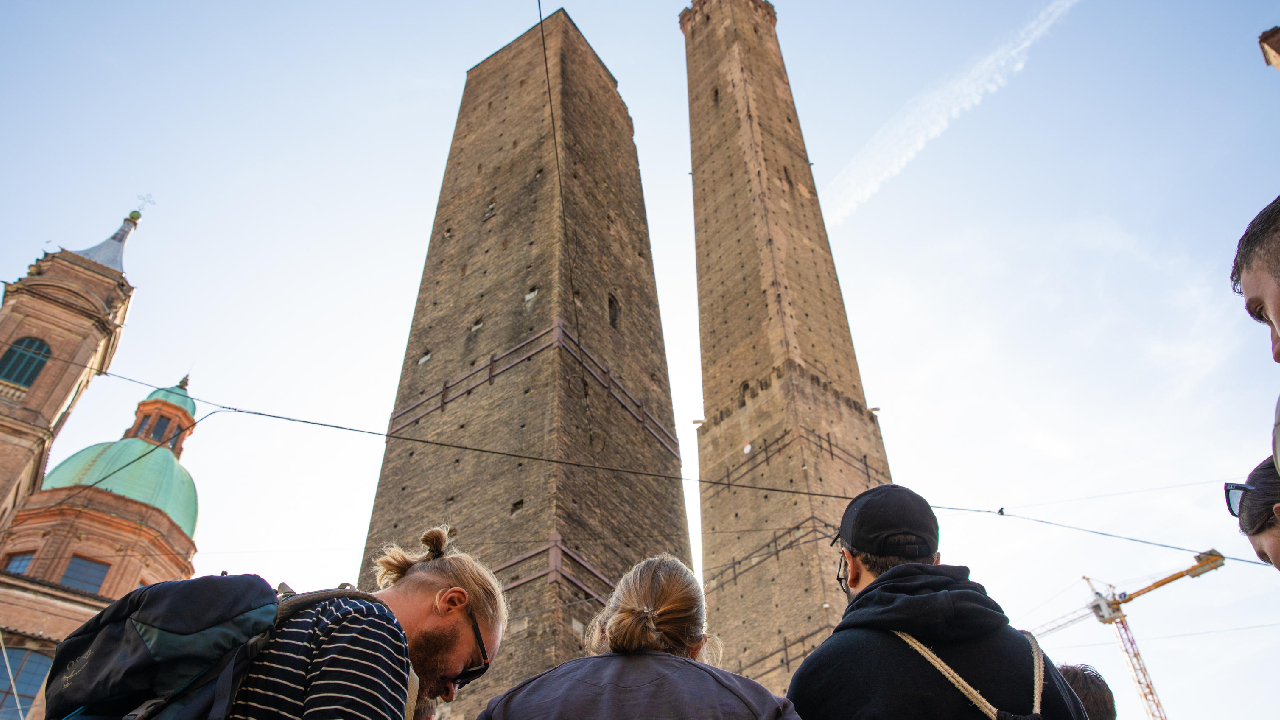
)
(537, 333)
(782, 395)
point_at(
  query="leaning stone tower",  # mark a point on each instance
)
(782, 396)
(536, 333)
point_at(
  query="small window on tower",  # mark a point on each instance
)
(742, 394)
(142, 429)
(162, 424)
(614, 311)
(23, 361)
(715, 96)
(177, 435)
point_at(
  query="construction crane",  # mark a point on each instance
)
(1106, 608)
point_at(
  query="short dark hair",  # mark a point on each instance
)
(1259, 242)
(1257, 503)
(1099, 703)
(880, 564)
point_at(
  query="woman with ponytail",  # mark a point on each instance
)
(438, 611)
(650, 660)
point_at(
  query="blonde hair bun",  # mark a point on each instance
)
(439, 541)
(442, 563)
(657, 605)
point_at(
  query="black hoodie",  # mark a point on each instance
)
(865, 671)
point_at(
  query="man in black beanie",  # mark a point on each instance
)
(919, 639)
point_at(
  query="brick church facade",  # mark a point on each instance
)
(110, 518)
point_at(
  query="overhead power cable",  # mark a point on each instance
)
(1118, 494)
(1170, 637)
(643, 473)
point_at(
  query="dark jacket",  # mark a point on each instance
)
(865, 671)
(638, 685)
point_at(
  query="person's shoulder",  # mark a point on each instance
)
(758, 699)
(342, 608)
(501, 704)
(333, 614)
(845, 654)
(850, 644)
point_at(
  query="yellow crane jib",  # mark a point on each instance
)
(1106, 608)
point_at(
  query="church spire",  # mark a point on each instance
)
(110, 252)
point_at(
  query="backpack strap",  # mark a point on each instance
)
(1037, 659)
(293, 604)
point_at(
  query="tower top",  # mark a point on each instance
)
(110, 252)
(135, 467)
(1269, 41)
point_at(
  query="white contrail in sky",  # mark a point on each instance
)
(928, 114)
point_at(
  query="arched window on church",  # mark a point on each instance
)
(23, 361)
(742, 394)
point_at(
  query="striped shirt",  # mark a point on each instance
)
(342, 658)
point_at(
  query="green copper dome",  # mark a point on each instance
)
(142, 471)
(176, 395)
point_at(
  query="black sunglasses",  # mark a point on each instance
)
(1235, 493)
(472, 674)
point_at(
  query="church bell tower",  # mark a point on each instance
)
(59, 326)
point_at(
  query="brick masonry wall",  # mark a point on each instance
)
(542, 337)
(139, 542)
(783, 398)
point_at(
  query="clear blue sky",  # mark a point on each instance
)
(1039, 297)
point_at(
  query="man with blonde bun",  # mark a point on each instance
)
(438, 611)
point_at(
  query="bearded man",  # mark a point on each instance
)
(439, 612)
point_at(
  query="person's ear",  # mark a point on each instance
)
(1275, 510)
(696, 649)
(937, 558)
(855, 567)
(451, 600)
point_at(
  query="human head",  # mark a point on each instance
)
(1255, 274)
(1094, 694)
(658, 605)
(882, 528)
(1259, 505)
(435, 594)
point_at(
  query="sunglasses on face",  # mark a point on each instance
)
(472, 674)
(1235, 493)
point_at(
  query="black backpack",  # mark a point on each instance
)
(171, 651)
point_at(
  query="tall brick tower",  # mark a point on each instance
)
(781, 391)
(59, 326)
(537, 333)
